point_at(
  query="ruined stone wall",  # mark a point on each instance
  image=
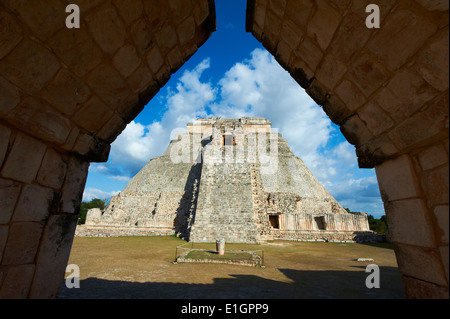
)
(388, 90)
(65, 95)
(160, 199)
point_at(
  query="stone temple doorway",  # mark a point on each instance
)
(67, 93)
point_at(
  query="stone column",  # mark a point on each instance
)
(220, 246)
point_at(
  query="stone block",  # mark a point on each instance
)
(283, 54)
(272, 29)
(37, 66)
(433, 61)
(5, 133)
(77, 49)
(126, 60)
(444, 257)
(350, 94)
(72, 191)
(143, 36)
(186, 30)
(336, 109)
(155, 59)
(112, 129)
(355, 131)
(419, 289)
(431, 124)
(24, 159)
(175, 59)
(37, 117)
(409, 222)
(180, 9)
(109, 85)
(53, 256)
(441, 213)
(376, 120)
(166, 38)
(71, 139)
(22, 244)
(310, 53)
(436, 185)
(405, 93)
(10, 96)
(3, 237)
(434, 5)
(9, 193)
(34, 204)
(43, 18)
(200, 11)
(299, 11)
(130, 11)
(323, 24)
(376, 151)
(397, 179)
(433, 156)
(17, 281)
(107, 28)
(93, 116)
(11, 34)
(350, 38)
(91, 148)
(140, 79)
(403, 32)
(368, 74)
(331, 71)
(53, 169)
(421, 263)
(259, 15)
(291, 34)
(66, 92)
(277, 6)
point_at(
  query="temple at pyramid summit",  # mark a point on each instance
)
(232, 179)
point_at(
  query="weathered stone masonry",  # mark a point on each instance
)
(222, 189)
(66, 94)
(387, 89)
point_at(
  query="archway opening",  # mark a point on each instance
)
(254, 85)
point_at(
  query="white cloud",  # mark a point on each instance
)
(91, 193)
(139, 143)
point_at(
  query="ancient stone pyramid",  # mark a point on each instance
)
(235, 179)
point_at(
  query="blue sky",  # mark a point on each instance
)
(231, 76)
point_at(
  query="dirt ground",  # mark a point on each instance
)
(142, 267)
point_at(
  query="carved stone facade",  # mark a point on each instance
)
(231, 179)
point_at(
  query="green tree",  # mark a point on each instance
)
(377, 225)
(85, 206)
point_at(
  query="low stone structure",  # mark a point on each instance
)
(236, 180)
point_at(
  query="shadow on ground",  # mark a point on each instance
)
(302, 285)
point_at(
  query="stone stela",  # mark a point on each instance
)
(213, 182)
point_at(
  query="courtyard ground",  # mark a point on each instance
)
(142, 267)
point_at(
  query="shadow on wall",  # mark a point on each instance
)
(303, 285)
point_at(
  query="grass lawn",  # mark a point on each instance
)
(207, 254)
(142, 267)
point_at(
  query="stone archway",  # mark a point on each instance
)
(387, 89)
(67, 94)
